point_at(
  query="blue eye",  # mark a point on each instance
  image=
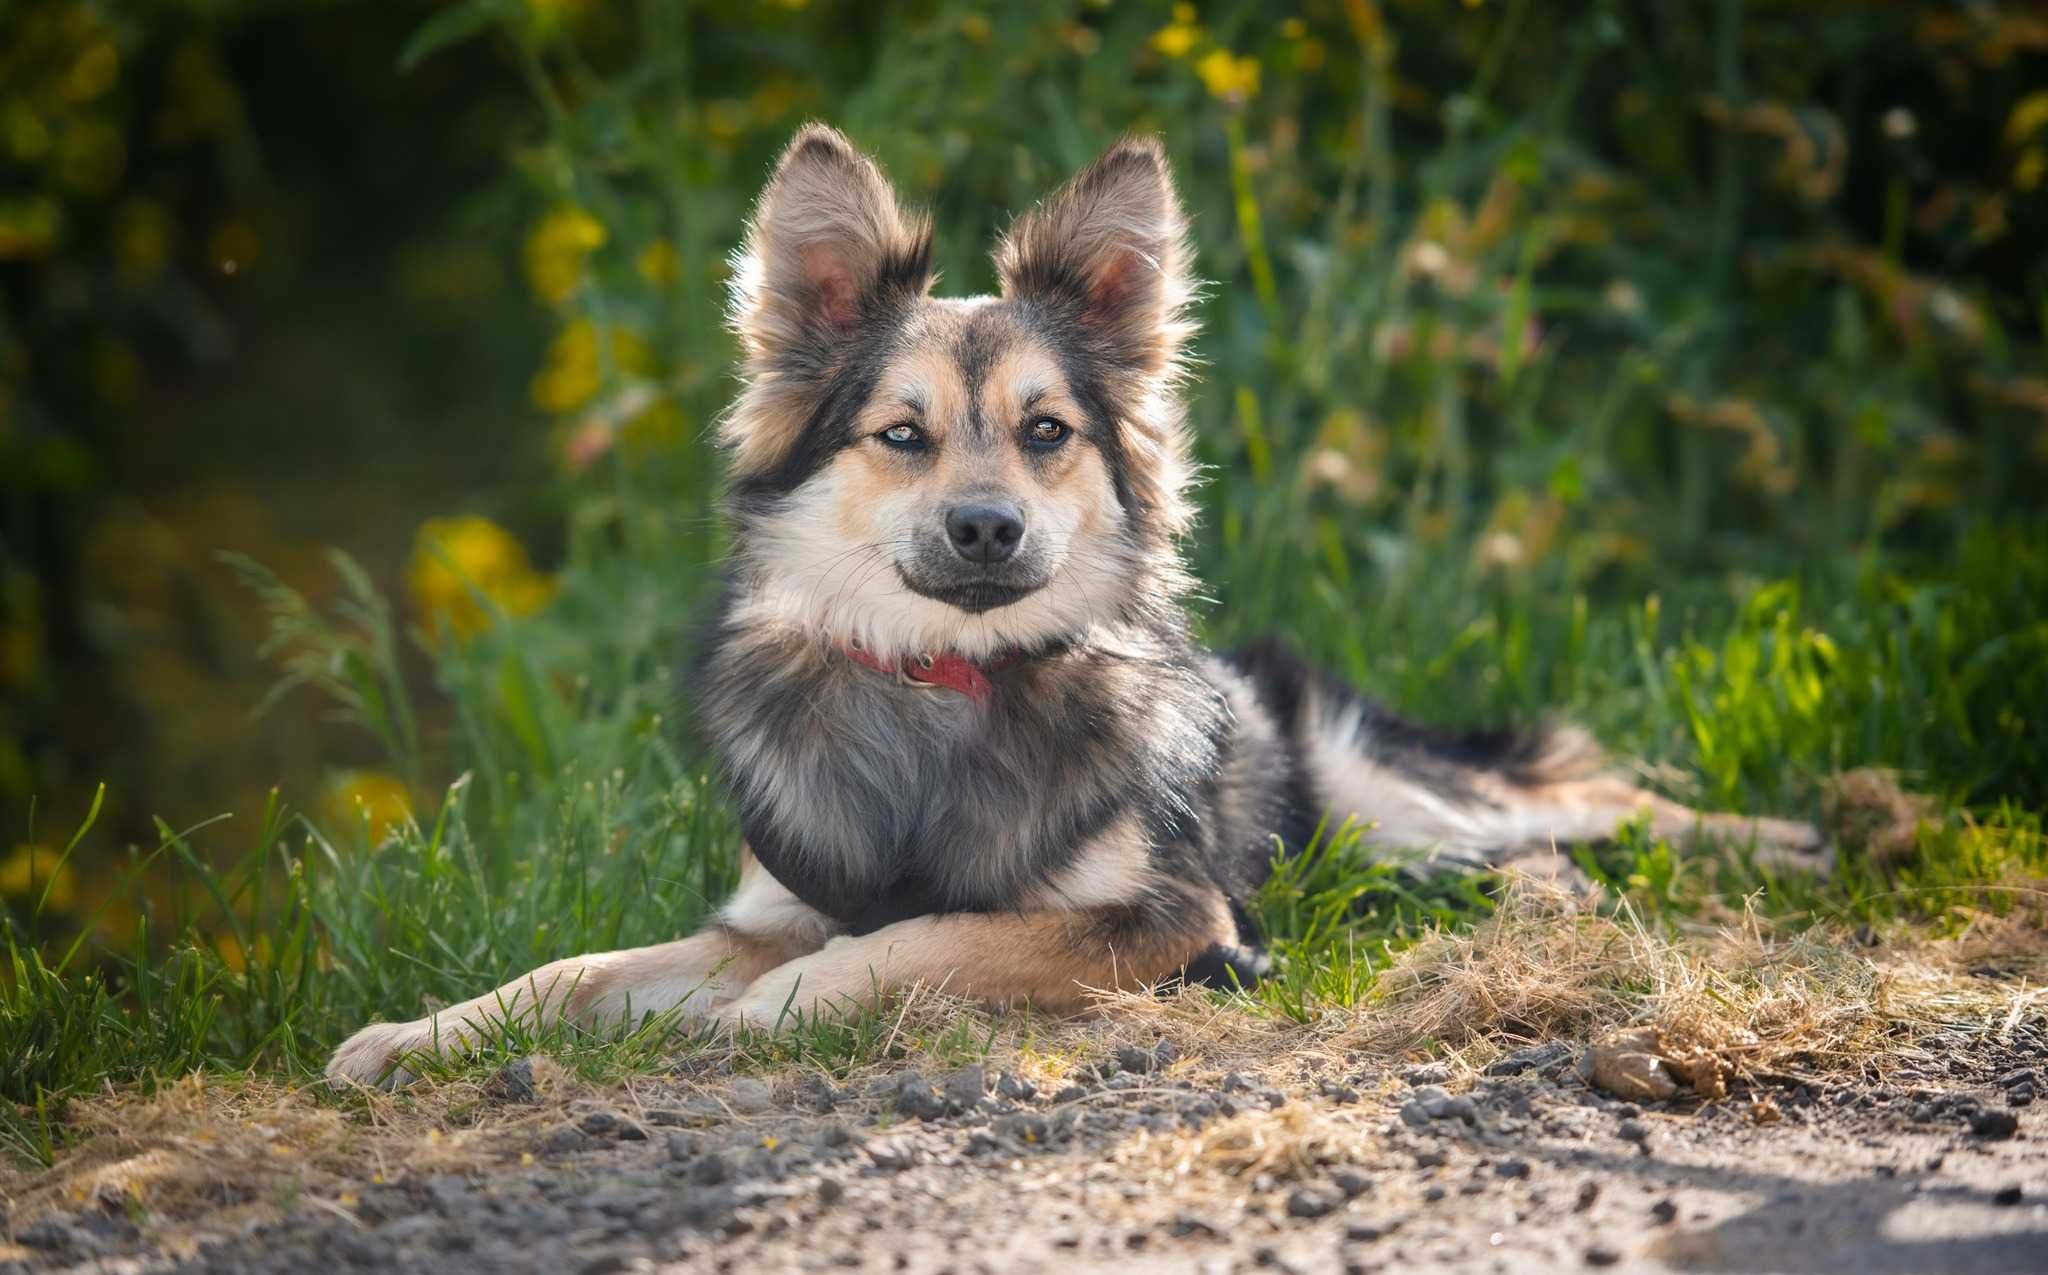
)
(903, 436)
(1046, 433)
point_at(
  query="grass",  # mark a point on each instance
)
(1742, 520)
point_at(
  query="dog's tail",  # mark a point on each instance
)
(1467, 799)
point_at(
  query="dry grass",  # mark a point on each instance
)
(1545, 966)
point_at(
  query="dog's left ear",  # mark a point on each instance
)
(1110, 251)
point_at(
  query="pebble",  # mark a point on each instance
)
(1664, 1211)
(1351, 1182)
(1306, 1202)
(1511, 1168)
(1601, 1255)
(1434, 1073)
(1015, 1088)
(915, 1097)
(1532, 1058)
(749, 1096)
(1236, 1083)
(1134, 1060)
(892, 1153)
(1994, 1124)
(964, 1088)
(710, 1170)
(2008, 1195)
(1072, 1093)
(1186, 1223)
(681, 1147)
(513, 1082)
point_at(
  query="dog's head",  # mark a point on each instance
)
(925, 474)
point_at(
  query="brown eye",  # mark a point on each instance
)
(1047, 433)
(903, 436)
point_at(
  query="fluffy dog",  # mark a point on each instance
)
(951, 681)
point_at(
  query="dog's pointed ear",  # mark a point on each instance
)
(1110, 251)
(828, 250)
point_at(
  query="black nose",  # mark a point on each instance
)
(985, 533)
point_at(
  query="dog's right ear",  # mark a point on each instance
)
(828, 251)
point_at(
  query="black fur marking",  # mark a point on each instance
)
(844, 370)
(1228, 967)
(1088, 377)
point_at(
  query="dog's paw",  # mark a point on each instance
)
(373, 1056)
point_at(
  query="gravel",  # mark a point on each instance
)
(924, 1176)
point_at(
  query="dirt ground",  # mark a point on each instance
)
(1151, 1160)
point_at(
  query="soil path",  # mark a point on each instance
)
(1158, 1165)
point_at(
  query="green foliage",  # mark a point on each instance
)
(1641, 365)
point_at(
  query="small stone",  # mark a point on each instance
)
(1635, 1131)
(1236, 1083)
(892, 1153)
(1015, 1087)
(513, 1082)
(916, 1098)
(831, 1191)
(1994, 1124)
(1136, 1061)
(680, 1147)
(565, 1140)
(1533, 1058)
(1588, 1192)
(710, 1170)
(599, 1124)
(964, 1088)
(1601, 1255)
(749, 1096)
(1351, 1182)
(1511, 1168)
(1664, 1211)
(1414, 1115)
(1367, 1232)
(1432, 1073)
(1164, 1055)
(1187, 1222)
(815, 1094)
(1305, 1202)
(2007, 1195)
(834, 1134)
(1072, 1093)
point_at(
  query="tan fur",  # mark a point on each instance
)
(1058, 961)
(829, 562)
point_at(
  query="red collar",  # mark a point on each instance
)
(951, 670)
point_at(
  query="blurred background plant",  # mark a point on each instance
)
(1678, 364)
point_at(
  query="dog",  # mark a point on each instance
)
(951, 680)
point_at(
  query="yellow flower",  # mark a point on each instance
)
(32, 868)
(572, 374)
(570, 377)
(1177, 40)
(658, 263)
(453, 559)
(1232, 78)
(370, 795)
(557, 248)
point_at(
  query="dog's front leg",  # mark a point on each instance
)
(762, 926)
(1057, 960)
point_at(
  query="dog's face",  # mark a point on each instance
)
(921, 475)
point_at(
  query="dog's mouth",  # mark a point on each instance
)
(973, 595)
